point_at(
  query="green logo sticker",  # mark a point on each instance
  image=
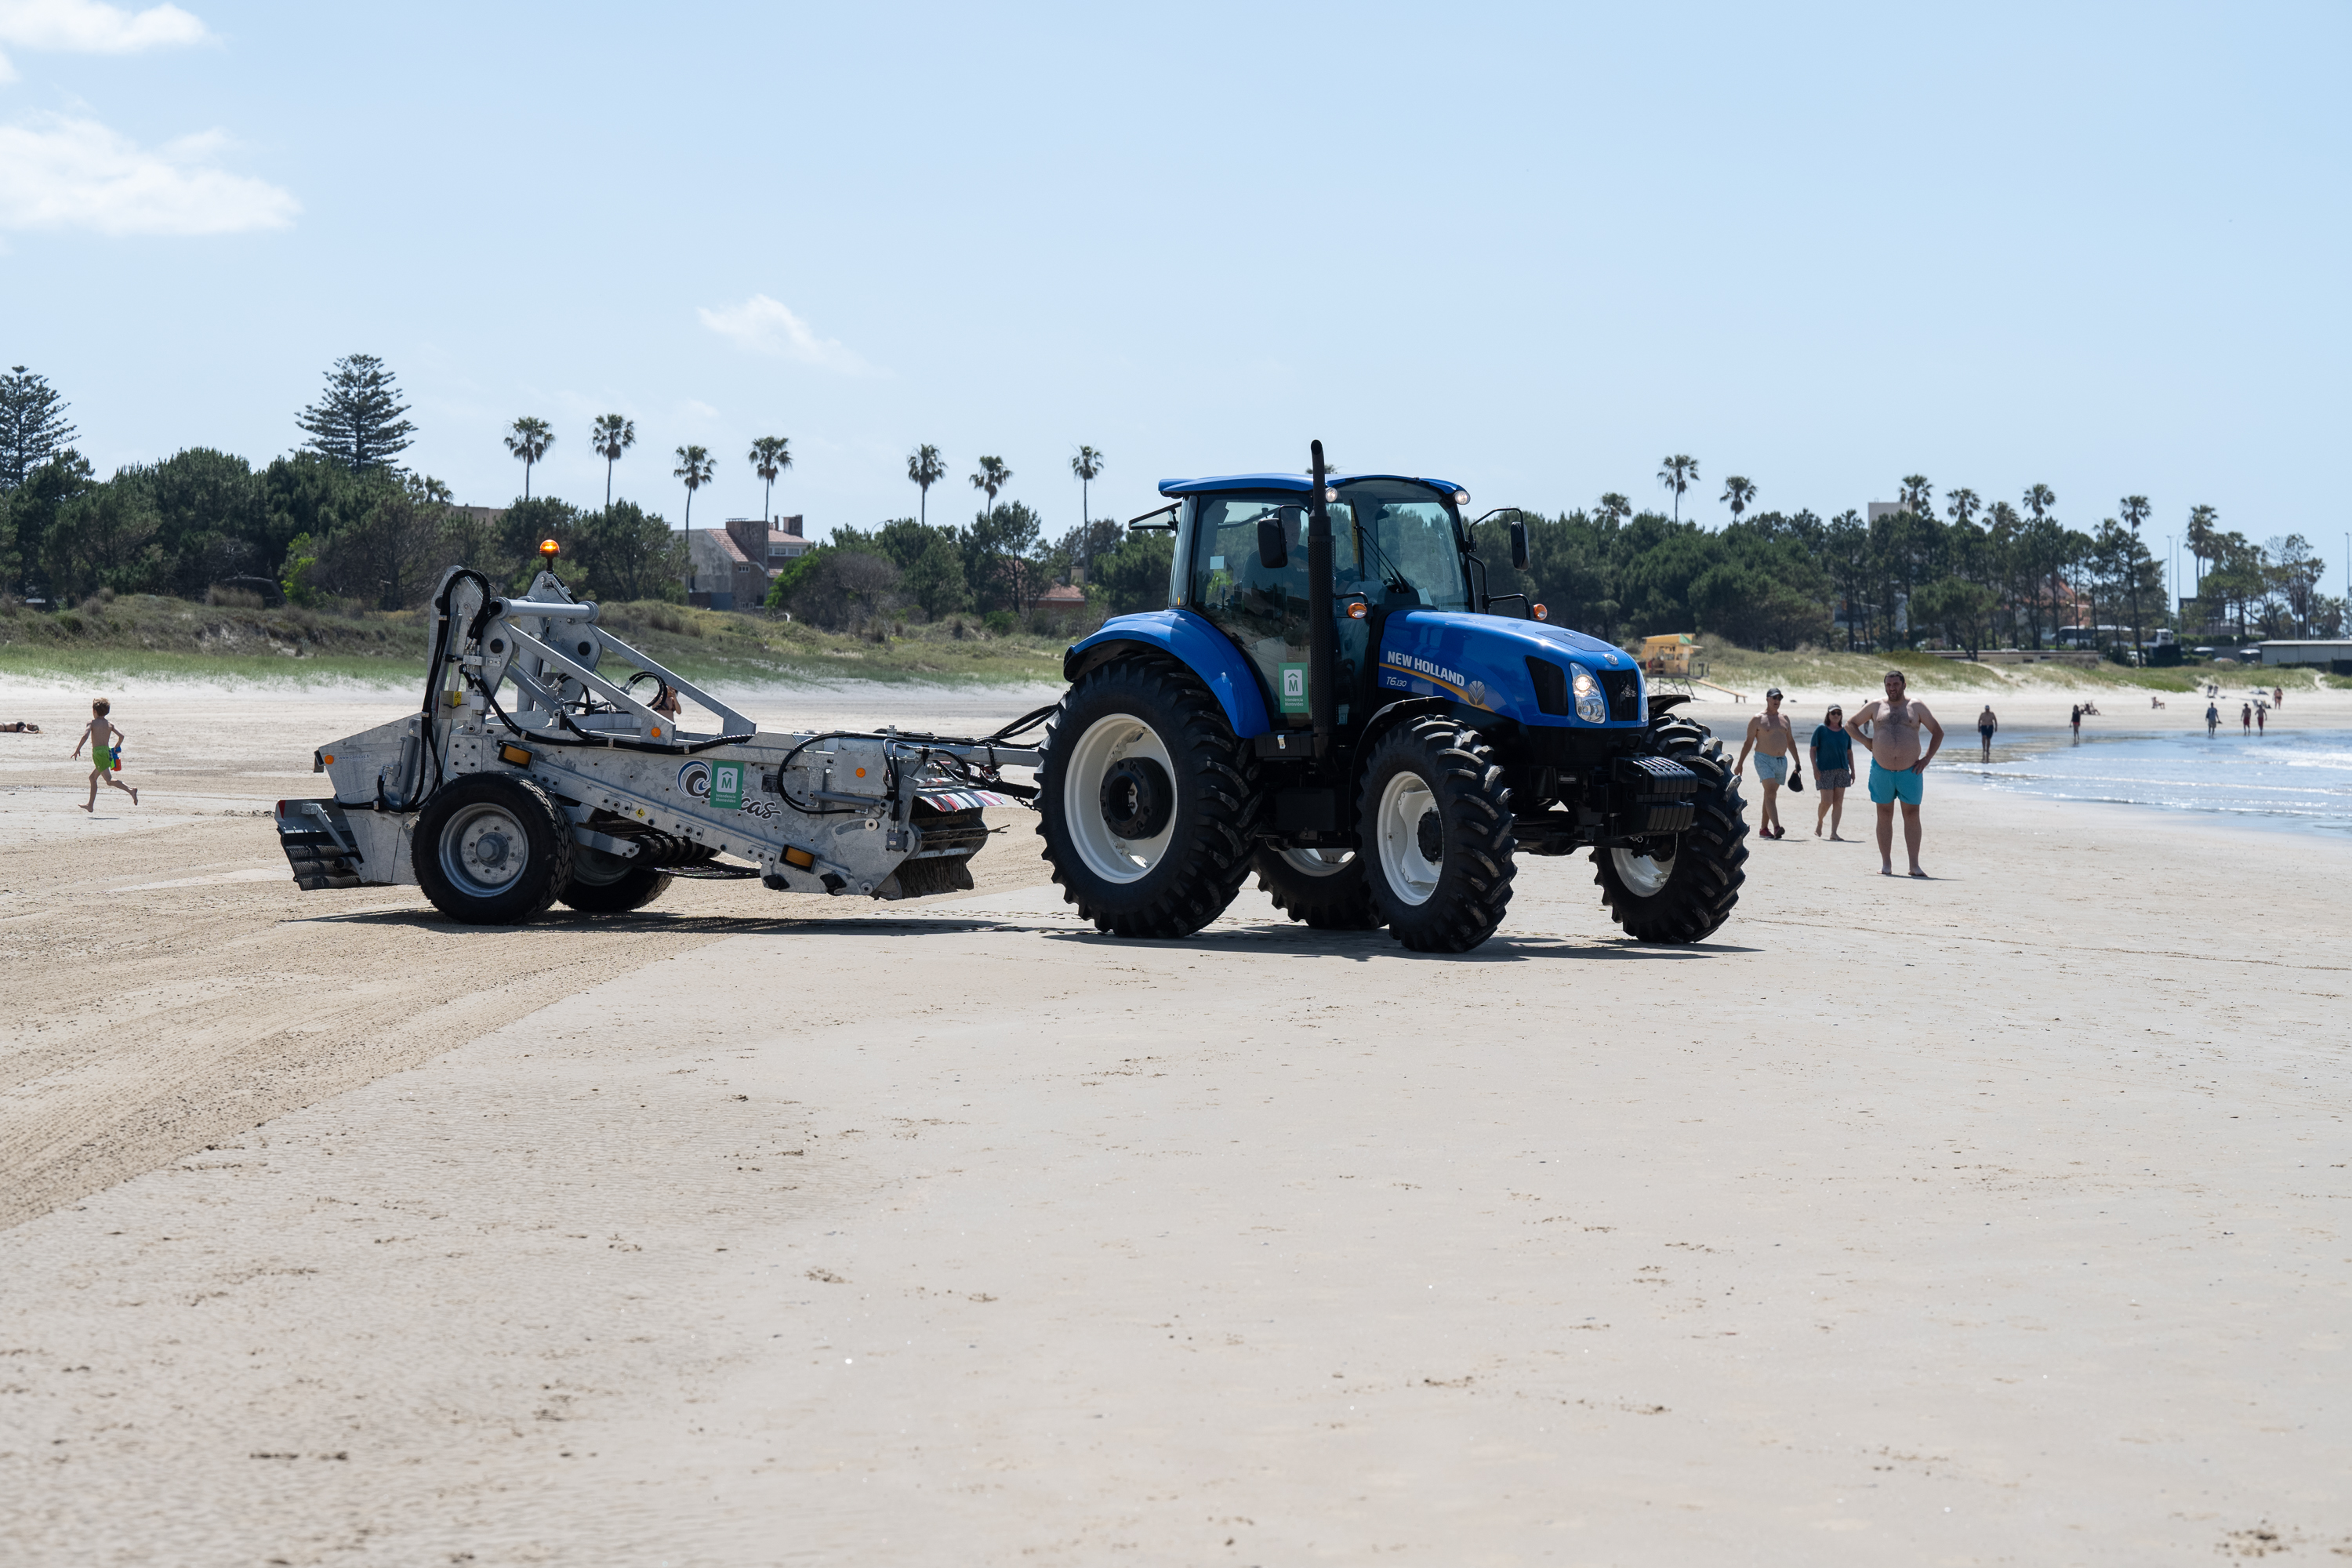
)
(727, 785)
(1294, 688)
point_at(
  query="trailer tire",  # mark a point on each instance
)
(492, 849)
(1432, 782)
(1687, 896)
(1144, 737)
(631, 887)
(1329, 896)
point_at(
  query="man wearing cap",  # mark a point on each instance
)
(1898, 769)
(1772, 738)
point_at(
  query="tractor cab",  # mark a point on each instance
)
(1397, 543)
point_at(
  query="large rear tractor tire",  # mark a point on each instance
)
(1326, 888)
(1684, 893)
(1146, 801)
(1435, 820)
(491, 849)
(605, 884)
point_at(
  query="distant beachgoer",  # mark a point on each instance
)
(1985, 725)
(1771, 738)
(18, 727)
(105, 754)
(2212, 719)
(2156, 702)
(664, 701)
(2091, 710)
(2278, 696)
(1832, 749)
(2076, 719)
(2246, 717)
(1898, 769)
(2261, 719)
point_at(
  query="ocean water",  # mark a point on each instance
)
(2291, 779)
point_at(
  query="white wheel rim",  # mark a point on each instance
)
(1319, 862)
(1645, 876)
(483, 849)
(1106, 742)
(1411, 874)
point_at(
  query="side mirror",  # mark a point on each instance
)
(1520, 543)
(1271, 551)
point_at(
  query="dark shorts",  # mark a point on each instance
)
(1833, 778)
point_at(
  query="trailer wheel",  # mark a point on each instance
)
(1437, 831)
(1682, 888)
(1326, 888)
(605, 884)
(1146, 801)
(491, 849)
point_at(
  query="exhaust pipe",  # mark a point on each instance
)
(1322, 632)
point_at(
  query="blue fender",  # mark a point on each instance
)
(1192, 642)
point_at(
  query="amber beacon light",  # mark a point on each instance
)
(549, 548)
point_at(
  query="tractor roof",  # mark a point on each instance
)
(1301, 483)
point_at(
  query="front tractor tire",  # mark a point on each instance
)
(1326, 888)
(1684, 893)
(1146, 801)
(1435, 820)
(491, 849)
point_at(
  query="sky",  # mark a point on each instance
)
(1529, 249)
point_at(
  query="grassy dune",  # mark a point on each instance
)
(149, 637)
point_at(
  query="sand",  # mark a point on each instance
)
(1998, 1217)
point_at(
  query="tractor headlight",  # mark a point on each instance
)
(1590, 706)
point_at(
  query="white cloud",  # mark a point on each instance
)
(766, 326)
(87, 27)
(57, 172)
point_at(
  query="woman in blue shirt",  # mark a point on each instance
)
(1832, 751)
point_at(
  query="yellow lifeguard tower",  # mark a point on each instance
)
(1678, 657)
(1673, 654)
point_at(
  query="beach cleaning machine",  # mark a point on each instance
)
(574, 787)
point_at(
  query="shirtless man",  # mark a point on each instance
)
(1898, 769)
(104, 740)
(1773, 740)
(1987, 723)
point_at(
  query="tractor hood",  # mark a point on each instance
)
(1481, 661)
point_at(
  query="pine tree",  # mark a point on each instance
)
(33, 426)
(358, 423)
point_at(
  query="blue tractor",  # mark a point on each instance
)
(1334, 701)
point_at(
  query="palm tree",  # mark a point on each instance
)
(1088, 466)
(924, 466)
(1917, 495)
(1614, 507)
(529, 439)
(614, 436)
(1736, 493)
(2202, 532)
(1678, 473)
(993, 476)
(1962, 506)
(2039, 500)
(2135, 509)
(771, 456)
(694, 467)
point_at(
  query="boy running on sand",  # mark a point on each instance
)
(104, 740)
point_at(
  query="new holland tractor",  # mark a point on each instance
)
(1334, 701)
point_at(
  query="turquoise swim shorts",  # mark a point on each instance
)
(1889, 786)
